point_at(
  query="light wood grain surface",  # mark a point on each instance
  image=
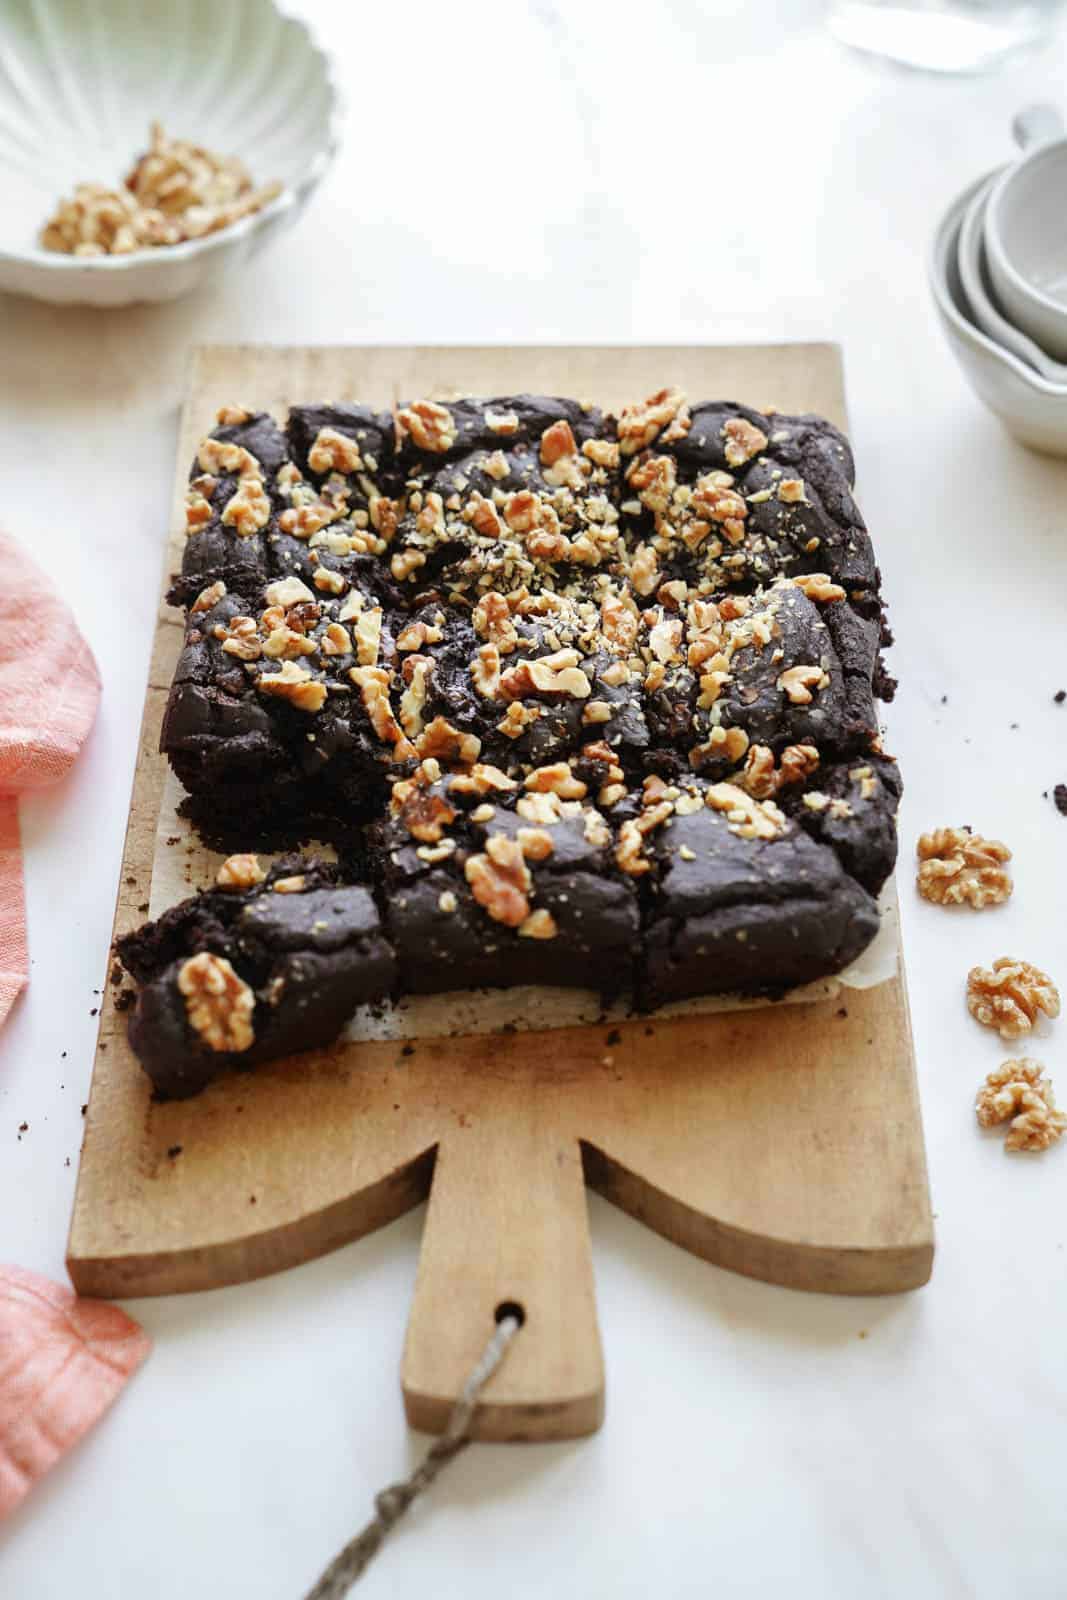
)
(784, 1143)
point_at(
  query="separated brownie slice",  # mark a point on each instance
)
(486, 881)
(265, 964)
(738, 898)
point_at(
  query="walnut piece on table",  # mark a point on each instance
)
(957, 866)
(1018, 1092)
(1010, 995)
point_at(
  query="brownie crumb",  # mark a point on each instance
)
(843, 1012)
(24, 1127)
(116, 974)
(66, 1163)
(251, 1199)
(94, 1010)
(124, 999)
(85, 1108)
(614, 1037)
(1059, 796)
(175, 1150)
(408, 1050)
(1060, 696)
(944, 699)
(131, 883)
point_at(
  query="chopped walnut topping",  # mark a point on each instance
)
(197, 509)
(747, 817)
(209, 597)
(957, 865)
(722, 744)
(373, 685)
(640, 424)
(715, 499)
(798, 683)
(761, 779)
(218, 1003)
(818, 586)
(217, 456)
(665, 639)
(491, 619)
(417, 634)
(286, 644)
(552, 676)
(485, 671)
(239, 872)
(240, 638)
(335, 641)
(446, 743)
(497, 466)
(417, 672)
(431, 426)
(543, 808)
(517, 719)
(293, 682)
(1019, 1092)
(327, 581)
(424, 815)
(557, 441)
(601, 452)
(619, 621)
(557, 779)
(742, 441)
(287, 592)
(597, 711)
(334, 452)
(644, 570)
(500, 880)
(791, 490)
(405, 562)
(248, 510)
(484, 518)
(535, 843)
(505, 422)
(1010, 996)
(294, 885)
(367, 633)
(540, 924)
(483, 778)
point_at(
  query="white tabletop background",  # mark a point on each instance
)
(574, 173)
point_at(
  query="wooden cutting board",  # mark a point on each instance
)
(782, 1142)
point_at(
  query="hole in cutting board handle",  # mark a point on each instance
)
(510, 1308)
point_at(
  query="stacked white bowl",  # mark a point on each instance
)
(999, 275)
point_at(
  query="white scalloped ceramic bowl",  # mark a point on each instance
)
(80, 83)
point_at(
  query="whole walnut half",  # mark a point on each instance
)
(1010, 995)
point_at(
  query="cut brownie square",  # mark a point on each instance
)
(264, 965)
(486, 881)
(739, 899)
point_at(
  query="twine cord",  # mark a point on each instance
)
(389, 1506)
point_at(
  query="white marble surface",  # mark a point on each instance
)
(568, 175)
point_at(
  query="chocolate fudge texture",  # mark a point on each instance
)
(579, 698)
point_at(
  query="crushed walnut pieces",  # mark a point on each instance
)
(176, 191)
(1017, 1092)
(957, 866)
(240, 872)
(500, 880)
(218, 1003)
(1010, 996)
(293, 682)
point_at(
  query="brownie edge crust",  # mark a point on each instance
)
(580, 698)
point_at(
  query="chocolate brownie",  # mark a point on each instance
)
(740, 899)
(264, 965)
(489, 882)
(475, 609)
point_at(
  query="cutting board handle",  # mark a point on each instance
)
(507, 1226)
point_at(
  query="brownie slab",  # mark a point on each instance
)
(581, 698)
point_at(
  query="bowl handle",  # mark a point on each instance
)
(1036, 125)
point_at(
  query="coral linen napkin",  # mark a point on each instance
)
(49, 689)
(62, 1360)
